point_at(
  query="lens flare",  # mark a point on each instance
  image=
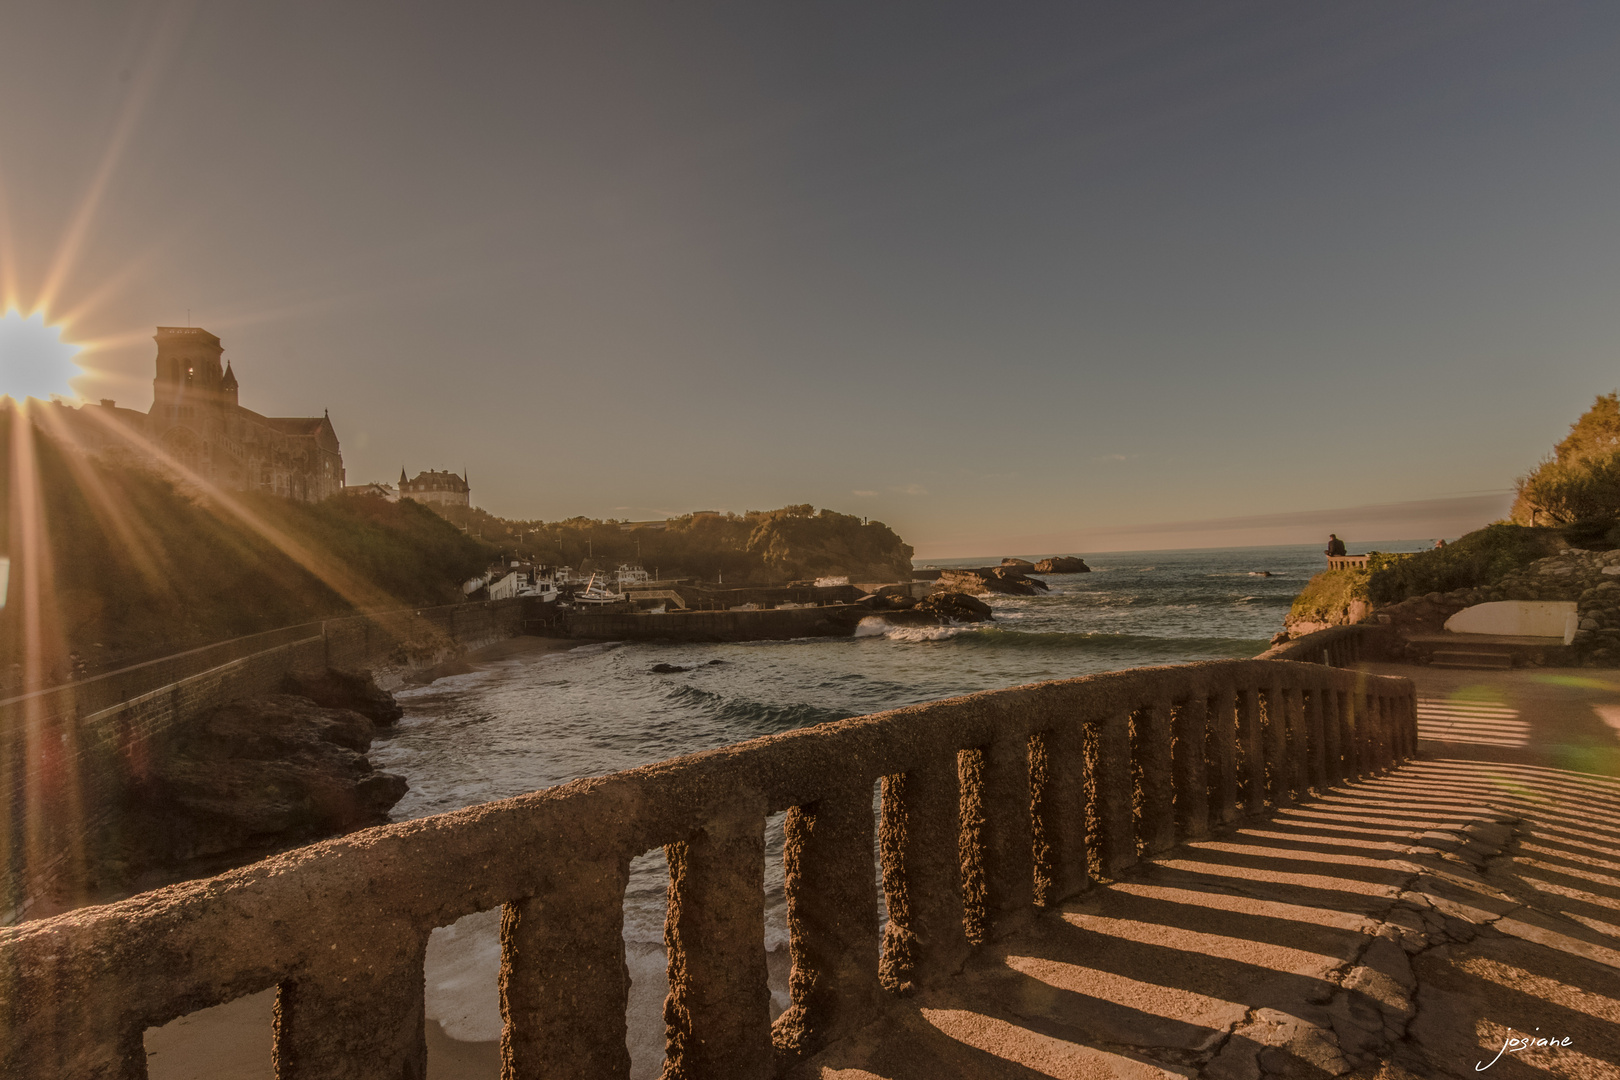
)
(34, 360)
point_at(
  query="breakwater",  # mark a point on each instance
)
(765, 624)
(72, 756)
(985, 805)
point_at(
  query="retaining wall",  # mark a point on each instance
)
(993, 806)
(70, 756)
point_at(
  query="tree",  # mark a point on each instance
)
(1581, 480)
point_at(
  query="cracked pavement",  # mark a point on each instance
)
(1402, 927)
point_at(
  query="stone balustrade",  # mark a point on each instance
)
(992, 806)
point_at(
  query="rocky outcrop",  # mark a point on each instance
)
(1062, 564)
(1022, 565)
(336, 689)
(1590, 578)
(955, 607)
(935, 609)
(990, 579)
(260, 773)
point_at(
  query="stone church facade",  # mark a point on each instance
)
(196, 419)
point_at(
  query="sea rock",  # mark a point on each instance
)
(990, 579)
(1062, 564)
(334, 688)
(668, 669)
(262, 772)
(955, 607)
(1018, 564)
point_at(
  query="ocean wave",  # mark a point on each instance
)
(998, 638)
(752, 715)
(877, 626)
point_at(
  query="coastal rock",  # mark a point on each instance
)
(262, 772)
(334, 688)
(1062, 564)
(955, 607)
(990, 579)
(1023, 565)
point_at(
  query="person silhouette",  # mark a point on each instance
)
(1335, 545)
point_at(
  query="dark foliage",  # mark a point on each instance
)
(1481, 557)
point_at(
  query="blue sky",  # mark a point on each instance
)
(1034, 277)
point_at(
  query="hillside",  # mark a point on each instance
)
(760, 547)
(132, 567)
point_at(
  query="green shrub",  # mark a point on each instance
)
(1481, 557)
(1326, 597)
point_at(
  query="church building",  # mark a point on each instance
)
(196, 419)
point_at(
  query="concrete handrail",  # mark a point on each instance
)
(985, 806)
(1346, 562)
(1335, 646)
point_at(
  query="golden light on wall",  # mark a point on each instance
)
(34, 360)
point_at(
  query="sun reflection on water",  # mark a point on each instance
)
(34, 360)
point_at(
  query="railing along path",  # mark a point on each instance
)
(993, 805)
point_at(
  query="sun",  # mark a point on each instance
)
(34, 360)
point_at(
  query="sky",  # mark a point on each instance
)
(1020, 278)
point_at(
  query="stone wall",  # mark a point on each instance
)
(992, 805)
(70, 756)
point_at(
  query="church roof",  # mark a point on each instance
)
(229, 381)
(296, 425)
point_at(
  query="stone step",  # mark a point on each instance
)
(1457, 658)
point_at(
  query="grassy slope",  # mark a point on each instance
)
(144, 569)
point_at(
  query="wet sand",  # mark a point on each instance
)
(232, 1042)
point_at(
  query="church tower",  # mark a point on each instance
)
(188, 370)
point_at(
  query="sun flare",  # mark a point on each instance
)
(34, 360)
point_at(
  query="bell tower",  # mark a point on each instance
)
(188, 369)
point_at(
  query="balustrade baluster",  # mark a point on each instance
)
(1375, 735)
(717, 1017)
(1251, 733)
(1349, 718)
(1058, 801)
(1315, 739)
(1392, 729)
(832, 921)
(359, 1014)
(1276, 746)
(1298, 753)
(564, 983)
(922, 875)
(1109, 758)
(997, 836)
(1333, 737)
(1191, 771)
(1222, 755)
(1157, 827)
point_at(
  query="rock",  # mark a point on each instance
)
(668, 669)
(990, 579)
(1018, 564)
(1062, 564)
(262, 772)
(336, 689)
(1281, 637)
(956, 607)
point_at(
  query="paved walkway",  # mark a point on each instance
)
(1404, 927)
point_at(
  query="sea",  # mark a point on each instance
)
(520, 724)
